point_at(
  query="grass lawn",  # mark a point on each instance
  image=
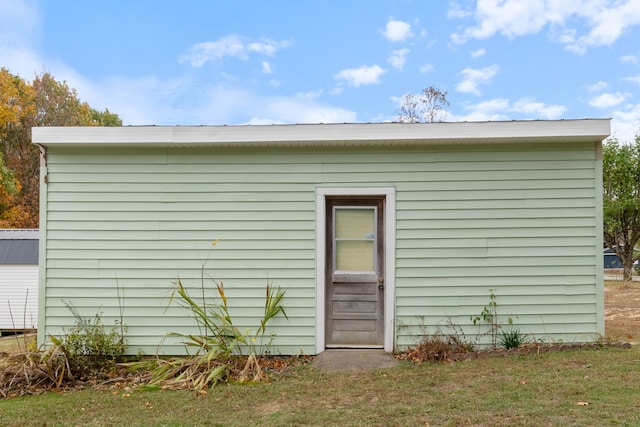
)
(586, 387)
(576, 387)
(16, 343)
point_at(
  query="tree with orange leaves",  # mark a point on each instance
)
(44, 102)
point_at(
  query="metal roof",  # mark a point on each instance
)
(19, 246)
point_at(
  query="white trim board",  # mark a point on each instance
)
(340, 134)
(390, 243)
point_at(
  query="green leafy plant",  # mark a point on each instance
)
(218, 341)
(89, 345)
(489, 315)
(512, 339)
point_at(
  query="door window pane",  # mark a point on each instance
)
(353, 255)
(354, 223)
(354, 239)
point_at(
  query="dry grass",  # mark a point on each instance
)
(29, 372)
(17, 343)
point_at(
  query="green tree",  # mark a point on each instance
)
(44, 102)
(105, 118)
(428, 106)
(621, 200)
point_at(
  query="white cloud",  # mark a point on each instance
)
(478, 53)
(537, 110)
(625, 124)
(266, 67)
(607, 100)
(492, 105)
(201, 53)
(145, 100)
(503, 109)
(398, 58)
(19, 27)
(471, 78)
(597, 87)
(365, 75)
(425, 68)
(19, 20)
(269, 48)
(564, 36)
(608, 20)
(456, 11)
(629, 59)
(232, 46)
(153, 101)
(301, 108)
(397, 31)
(605, 20)
(494, 109)
(217, 104)
(510, 18)
(634, 79)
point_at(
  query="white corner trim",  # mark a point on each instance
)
(320, 259)
(390, 243)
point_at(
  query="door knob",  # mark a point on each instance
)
(381, 286)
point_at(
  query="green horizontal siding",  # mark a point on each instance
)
(524, 228)
(520, 219)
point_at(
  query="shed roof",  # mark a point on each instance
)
(19, 246)
(343, 134)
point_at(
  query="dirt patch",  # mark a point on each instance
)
(622, 311)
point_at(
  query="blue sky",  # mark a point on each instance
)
(236, 62)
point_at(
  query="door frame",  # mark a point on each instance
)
(389, 195)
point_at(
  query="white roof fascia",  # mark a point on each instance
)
(346, 134)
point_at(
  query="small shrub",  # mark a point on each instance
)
(512, 339)
(90, 346)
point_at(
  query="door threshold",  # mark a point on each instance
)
(355, 347)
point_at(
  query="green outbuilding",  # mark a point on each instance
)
(378, 232)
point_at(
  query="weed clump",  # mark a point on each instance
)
(219, 346)
(512, 339)
(438, 346)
